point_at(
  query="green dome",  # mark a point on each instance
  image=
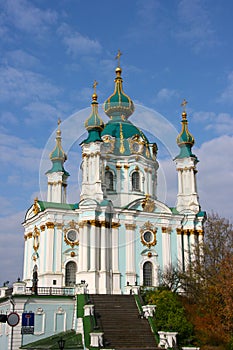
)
(123, 135)
(58, 156)
(94, 123)
(118, 104)
(185, 139)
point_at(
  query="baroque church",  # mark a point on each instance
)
(119, 234)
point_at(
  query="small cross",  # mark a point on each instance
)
(58, 122)
(118, 56)
(94, 86)
(183, 104)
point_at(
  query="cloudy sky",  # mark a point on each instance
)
(52, 51)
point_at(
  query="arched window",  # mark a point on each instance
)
(136, 181)
(109, 180)
(70, 278)
(147, 274)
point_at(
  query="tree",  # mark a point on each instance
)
(170, 314)
(208, 283)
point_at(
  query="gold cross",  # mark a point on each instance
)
(118, 56)
(183, 104)
(94, 86)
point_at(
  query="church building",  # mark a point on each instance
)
(119, 235)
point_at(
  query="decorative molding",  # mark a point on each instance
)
(118, 166)
(148, 204)
(166, 229)
(36, 239)
(59, 225)
(98, 223)
(148, 227)
(126, 166)
(49, 225)
(130, 226)
(36, 207)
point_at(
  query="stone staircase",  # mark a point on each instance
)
(118, 317)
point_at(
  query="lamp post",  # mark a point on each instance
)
(61, 344)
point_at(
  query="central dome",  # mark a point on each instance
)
(118, 105)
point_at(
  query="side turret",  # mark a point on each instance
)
(57, 175)
(187, 197)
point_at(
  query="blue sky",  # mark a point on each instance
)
(52, 51)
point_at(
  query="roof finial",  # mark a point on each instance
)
(58, 128)
(183, 104)
(94, 96)
(94, 85)
(118, 56)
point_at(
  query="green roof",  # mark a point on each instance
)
(72, 341)
(45, 205)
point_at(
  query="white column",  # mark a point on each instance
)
(81, 247)
(103, 252)
(179, 182)
(179, 247)
(58, 261)
(92, 248)
(166, 244)
(186, 249)
(130, 253)
(49, 246)
(85, 247)
(115, 242)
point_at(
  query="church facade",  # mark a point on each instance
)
(119, 236)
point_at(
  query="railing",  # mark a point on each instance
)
(67, 291)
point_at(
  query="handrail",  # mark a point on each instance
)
(63, 291)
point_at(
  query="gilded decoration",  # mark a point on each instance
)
(71, 234)
(166, 229)
(148, 205)
(148, 234)
(98, 223)
(36, 207)
(50, 225)
(36, 238)
(42, 227)
(108, 143)
(72, 254)
(118, 166)
(130, 226)
(136, 145)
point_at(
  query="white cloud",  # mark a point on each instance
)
(18, 155)
(215, 177)
(195, 25)
(11, 247)
(21, 59)
(227, 94)
(26, 17)
(221, 123)
(78, 44)
(17, 85)
(40, 111)
(165, 94)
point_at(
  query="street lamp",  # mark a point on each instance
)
(61, 344)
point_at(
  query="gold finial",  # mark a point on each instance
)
(94, 85)
(58, 129)
(183, 104)
(118, 56)
(94, 96)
